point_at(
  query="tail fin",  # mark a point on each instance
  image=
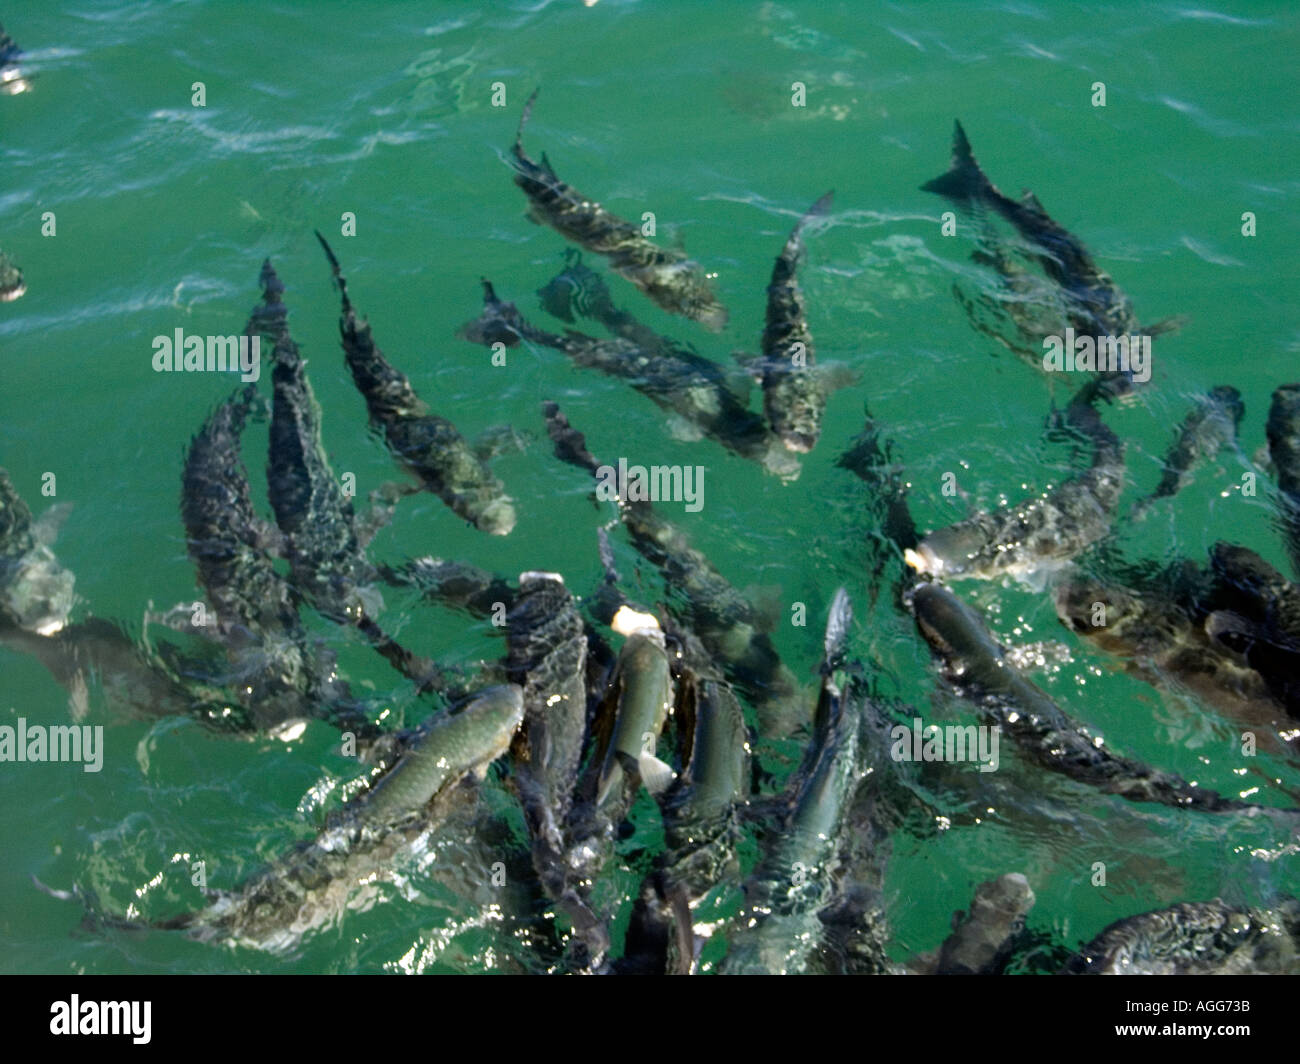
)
(499, 323)
(570, 444)
(523, 121)
(339, 279)
(964, 179)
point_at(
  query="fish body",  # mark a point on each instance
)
(982, 936)
(976, 665)
(673, 281)
(794, 394)
(316, 518)
(426, 444)
(312, 885)
(1096, 306)
(1208, 428)
(1039, 533)
(673, 377)
(1197, 938)
(780, 926)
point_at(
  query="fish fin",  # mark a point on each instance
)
(837, 630)
(964, 179)
(656, 775)
(1166, 325)
(547, 168)
(751, 364)
(45, 529)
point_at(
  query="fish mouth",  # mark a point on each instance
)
(799, 442)
(12, 292)
(923, 559)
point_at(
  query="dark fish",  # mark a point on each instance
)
(313, 884)
(456, 584)
(35, 590)
(548, 659)
(428, 445)
(1283, 430)
(1217, 634)
(794, 392)
(975, 664)
(1197, 938)
(1209, 427)
(707, 604)
(669, 278)
(96, 651)
(1096, 307)
(1041, 533)
(982, 937)
(780, 925)
(673, 377)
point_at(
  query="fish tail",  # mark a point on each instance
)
(964, 179)
(339, 279)
(523, 121)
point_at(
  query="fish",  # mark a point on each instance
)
(780, 927)
(643, 692)
(312, 885)
(12, 285)
(98, 651)
(12, 83)
(795, 389)
(676, 379)
(35, 590)
(975, 664)
(547, 658)
(1215, 632)
(1197, 938)
(669, 278)
(427, 445)
(1283, 431)
(872, 459)
(1036, 535)
(1096, 306)
(983, 936)
(1211, 425)
(724, 620)
(459, 585)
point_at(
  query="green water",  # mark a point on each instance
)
(165, 210)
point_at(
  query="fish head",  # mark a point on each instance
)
(497, 518)
(955, 632)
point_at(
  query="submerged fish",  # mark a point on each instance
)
(975, 664)
(780, 926)
(1096, 306)
(35, 590)
(455, 584)
(673, 281)
(794, 388)
(312, 885)
(1039, 533)
(983, 936)
(672, 376)
(1197, 938)
(1209, 427)
(1283, 431)
(708, 605)
(12, 83)
(428, 445)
